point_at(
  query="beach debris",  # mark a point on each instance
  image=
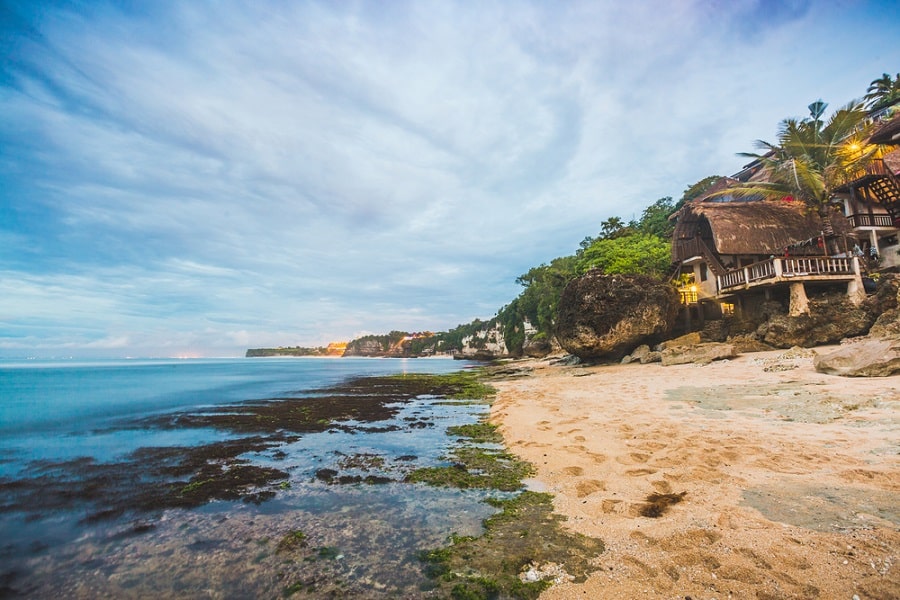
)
(657, 504)
(547, 572)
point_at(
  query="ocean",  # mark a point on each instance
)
(107, 473)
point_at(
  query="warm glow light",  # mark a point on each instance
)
(854, 147)
(693, 289)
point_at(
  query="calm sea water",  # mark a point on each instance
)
(367, 536)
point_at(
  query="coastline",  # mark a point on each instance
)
(775, 480)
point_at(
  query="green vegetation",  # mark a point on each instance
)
(473, 466)
(638, 247)
(637, 253)
(292, 351)
(812, 157)
(524, 535)
(459, 385)
(477, 433)
(883, 92)
(292, 540)
(476, 468)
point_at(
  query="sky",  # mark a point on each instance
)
(198, 178)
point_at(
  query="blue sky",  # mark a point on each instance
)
(195, 178)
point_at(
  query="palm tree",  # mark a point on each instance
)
(812, 157)
(883, 92)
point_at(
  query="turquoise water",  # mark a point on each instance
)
(57, 410)
(55, 414)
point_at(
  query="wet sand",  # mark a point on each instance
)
(772, 480)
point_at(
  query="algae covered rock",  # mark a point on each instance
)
(608, 316)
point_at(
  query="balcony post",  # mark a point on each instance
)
(799, 300)
(779, 267)
(856, 292)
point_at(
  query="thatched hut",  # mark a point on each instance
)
(727, 247)
(888, 133)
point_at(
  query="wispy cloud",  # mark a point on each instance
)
(206, 176)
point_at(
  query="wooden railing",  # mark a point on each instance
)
(865, 220)
(874, 168)
(786, 268)
(816, 266)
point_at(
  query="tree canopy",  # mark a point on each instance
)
(883, 92)
(812, 157)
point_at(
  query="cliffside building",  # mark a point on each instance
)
(731, 251)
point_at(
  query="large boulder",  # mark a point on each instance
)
(608, 316)
(872, 357)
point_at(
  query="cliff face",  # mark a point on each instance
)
(365, 347)
(486, 344)
(397, 344)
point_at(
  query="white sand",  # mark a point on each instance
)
(791, 476)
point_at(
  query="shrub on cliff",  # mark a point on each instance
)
(634, 254)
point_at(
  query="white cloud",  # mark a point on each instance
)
(210, 176)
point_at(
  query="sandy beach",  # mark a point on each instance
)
(771, 480)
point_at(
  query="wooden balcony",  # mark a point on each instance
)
(788, 270)
(875, 169)
(867, 220)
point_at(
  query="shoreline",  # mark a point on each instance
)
(777, 481)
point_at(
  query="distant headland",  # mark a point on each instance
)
(335, 349)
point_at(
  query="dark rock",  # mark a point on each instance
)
(886, 302)
(701, 354)
(537, 348)
(831, 318)
(651, 357)
(688, 339)
(607, 316)
(866, 358)
(748, 343)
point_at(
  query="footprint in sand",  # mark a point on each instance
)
(588, 487)
(661, 486)
(610, 505)
(576, 471)
(640, 472)
(632, 458)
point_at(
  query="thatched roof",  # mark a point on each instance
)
(888, 133)
(761, 227)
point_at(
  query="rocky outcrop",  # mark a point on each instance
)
(643, 354)
(701, 354)
(831, 318)
(608, 316)
(871, 357)
(369, 347)
(537, 347)
(487, 344)
(888, 322)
